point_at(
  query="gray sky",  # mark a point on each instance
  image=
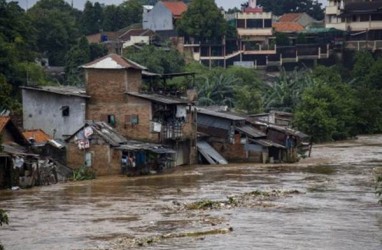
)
(79, 4)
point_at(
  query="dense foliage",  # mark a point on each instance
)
(203, 21)
(280, 7)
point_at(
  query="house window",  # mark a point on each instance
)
(131, 119)
(65, 110)
(110, 119)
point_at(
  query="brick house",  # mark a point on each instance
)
(115, 86)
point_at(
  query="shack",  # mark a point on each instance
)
(100, 147)
(234, 138)
(18, 167)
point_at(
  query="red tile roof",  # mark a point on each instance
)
(290, 17)
(38, 135)
(176, 8)
(113, 61)
(287, 27)
(3, 122)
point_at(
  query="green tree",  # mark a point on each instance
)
(326, 110)
(91, 18)
(57, 30)
(284, 94)
(203, 21)
(367, 84)
(280, 7)
(77, 56)
(7, 100)
(217, 89)
(362, 65)
(157, 60)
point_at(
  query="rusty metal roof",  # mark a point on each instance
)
(60, 90)
(159, 98)
(38, 135)
(113, 61)
(3, 122)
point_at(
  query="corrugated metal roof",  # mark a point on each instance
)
(159, 98)
(60, 90)
(268, 143)
(220, 114)
(211, 155)
(132, 145)
(113, 61)
(251, 131)
(288, 131)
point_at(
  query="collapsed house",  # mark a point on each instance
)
(100, 147)
(229, 137)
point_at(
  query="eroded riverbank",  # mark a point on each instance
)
(335, 208)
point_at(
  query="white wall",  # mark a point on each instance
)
(42, 110)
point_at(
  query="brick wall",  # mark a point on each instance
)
(105, 160)
(235, 152)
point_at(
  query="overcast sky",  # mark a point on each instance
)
(79, 4)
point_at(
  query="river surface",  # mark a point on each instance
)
(336, 207)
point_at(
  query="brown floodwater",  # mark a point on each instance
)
(336, 209)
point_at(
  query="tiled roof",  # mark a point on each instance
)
(176, 8)
(3, 122)
(287, 27)
(113, 61)
(38, 135)
(290, 17)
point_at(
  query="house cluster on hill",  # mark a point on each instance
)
(117, 124)
(264, 41)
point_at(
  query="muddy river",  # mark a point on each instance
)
(335, 206)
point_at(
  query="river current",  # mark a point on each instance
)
(336, 207)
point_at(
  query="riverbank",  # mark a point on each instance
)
(335, 207)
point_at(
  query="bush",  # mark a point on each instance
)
(83, 173)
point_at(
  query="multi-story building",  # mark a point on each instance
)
(361, 19)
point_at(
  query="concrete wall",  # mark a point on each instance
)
(158, 19)
(42, 110)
